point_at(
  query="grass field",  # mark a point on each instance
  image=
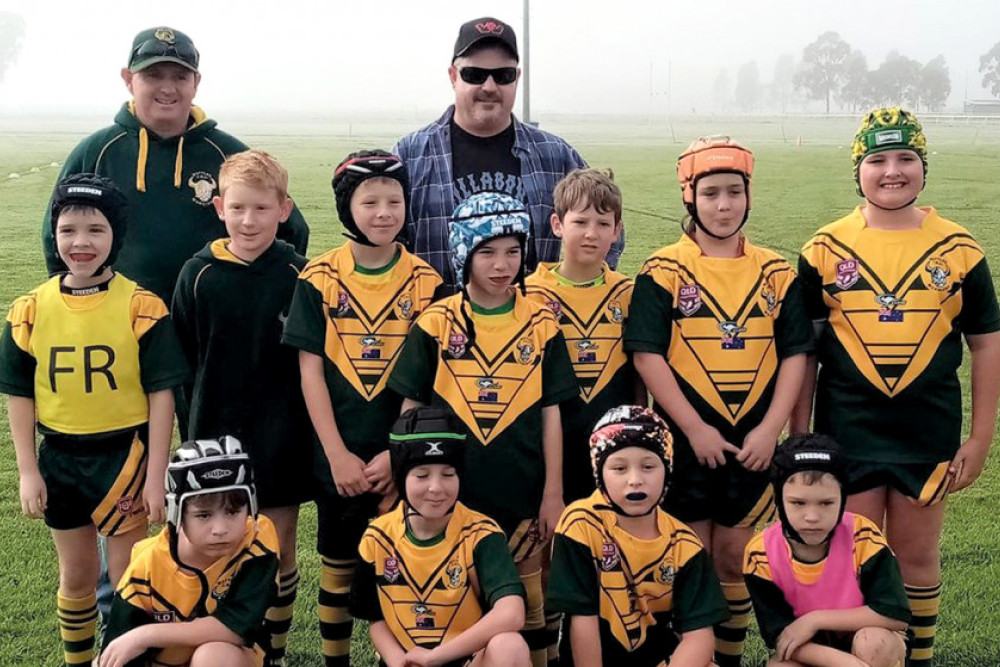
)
(796, 189)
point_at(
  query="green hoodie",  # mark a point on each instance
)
(169, 184)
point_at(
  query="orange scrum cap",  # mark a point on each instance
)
(707, 155)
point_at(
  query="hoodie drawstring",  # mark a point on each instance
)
(140, 167)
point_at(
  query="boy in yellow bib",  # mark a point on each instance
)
(90, 359)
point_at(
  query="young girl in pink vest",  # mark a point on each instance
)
(826, 588)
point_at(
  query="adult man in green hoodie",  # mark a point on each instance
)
(164, 153)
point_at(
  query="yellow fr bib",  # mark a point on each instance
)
(87, 375)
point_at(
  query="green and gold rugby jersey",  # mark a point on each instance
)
(894, 305)
(592, 318)
(497, 384)
(431, 591)
(89, 357)
(357, 321)
(724, 325)
(236, 589)
(646, 592)
(875, 566)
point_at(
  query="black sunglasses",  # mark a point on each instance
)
(502, 76)
(155, 48)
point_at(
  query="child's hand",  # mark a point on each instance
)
(548, 516)
(793, 637)
(709, 446)
(758, 448)
(349, 474)
(378, 472)
(34, 495)
(124, 649)
(153, 495)
(420, 657)
(968, 464)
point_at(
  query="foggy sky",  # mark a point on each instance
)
(390, 57)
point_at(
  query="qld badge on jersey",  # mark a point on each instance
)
(609, 556)
(586, 351)
(203, 185)
(370, 348)
(731, 336)
(343, 305)
(888, 308)
(164, 616)
(488, 390)
(939, 273)
(390, 571)
(847, 273)
(456, 344)
(769, 295)
(689, 299)
(555, 307)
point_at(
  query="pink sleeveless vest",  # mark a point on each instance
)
(836, 588)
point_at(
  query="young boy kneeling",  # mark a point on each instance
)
(196, 594)
(435, 578)
(826, 588)
(636, 585)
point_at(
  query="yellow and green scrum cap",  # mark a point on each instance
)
(886, 129)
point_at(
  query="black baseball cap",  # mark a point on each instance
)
(162, 45)
(486, 29)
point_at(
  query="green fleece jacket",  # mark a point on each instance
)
(169, 184)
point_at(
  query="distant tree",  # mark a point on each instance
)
(11, 32)
(721, 90)
(935, 84)
(897, 81)
(822, 71)
(989, 65)
(856, 92)
(783, 86)
(747, 86)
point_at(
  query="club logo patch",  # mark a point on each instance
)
(767, 293)
(370, 348)
(939, 272)
(731, 336)
(526, 351)
(586, 351)
(203, 185)
(454, 572)
(165, 35)
(456, 344)
(888, 304)
(665, 573)
(609, 556)
(689, 300)
(221, 588)
(125, 504)
(423, 616)
(615, 308)
(390, 571)
(847, 273)
(555, 307)
(404, 307)
(488, 390)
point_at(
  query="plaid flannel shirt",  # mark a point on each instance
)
(545, 160)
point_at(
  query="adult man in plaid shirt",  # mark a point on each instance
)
(478, 145)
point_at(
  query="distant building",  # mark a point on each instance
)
(982, 107)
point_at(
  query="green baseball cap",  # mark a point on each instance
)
(162, 45)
